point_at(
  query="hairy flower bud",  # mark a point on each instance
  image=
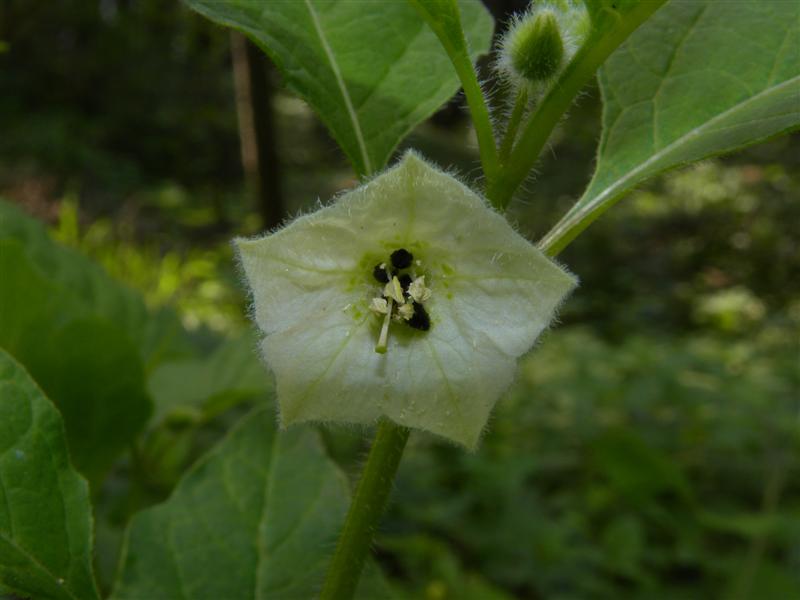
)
(536, 49)
(540, 42)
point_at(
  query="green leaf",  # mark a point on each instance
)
(85, 338)
(97, 377)
(698, 79)
(88, 366)
(444, 17)
(78, 288)
(258, 517)
(45, 515)
(201, 388)
(372, 71)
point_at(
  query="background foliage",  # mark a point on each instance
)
(649, 449)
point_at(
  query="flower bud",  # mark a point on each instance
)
(540, 42)
(536, 48)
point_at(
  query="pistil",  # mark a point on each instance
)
(380, 348)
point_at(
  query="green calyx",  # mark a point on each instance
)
(536, 48)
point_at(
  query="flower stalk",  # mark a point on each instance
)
(365, 511)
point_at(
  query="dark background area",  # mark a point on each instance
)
(650, 447)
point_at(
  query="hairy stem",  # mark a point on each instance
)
(366, 509)
(513, 123)
(597, 48)
(451, 36)
(480, 119)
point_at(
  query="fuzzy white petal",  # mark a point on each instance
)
(491, 295)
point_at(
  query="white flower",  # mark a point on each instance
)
(480, 295)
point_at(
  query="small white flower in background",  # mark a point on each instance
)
(407, 297)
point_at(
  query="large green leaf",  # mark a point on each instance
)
(200, 388)
(700, 78)
(257, 518)
(78, 288)
(87, 365)
(45, 516)
(85, 338)
(372, 70)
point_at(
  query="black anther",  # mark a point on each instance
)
(402, 258)
(420, 320)
(380, 274)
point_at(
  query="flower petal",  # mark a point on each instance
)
(529, 287)
(445, 383)
(326, 369)
(300, 271)
(491, 295)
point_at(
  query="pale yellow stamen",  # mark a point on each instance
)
(418, 291)
(379, 306)
(394, 290)
(406, 311)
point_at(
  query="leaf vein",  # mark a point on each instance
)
(655, 158)
(342, 86)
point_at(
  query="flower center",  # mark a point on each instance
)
(402, 296)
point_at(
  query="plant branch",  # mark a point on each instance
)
(597, 48)
(445, 21)
(520, 104)
(480, 119)
(366, 509)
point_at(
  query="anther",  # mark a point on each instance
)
(379, 306)
(402, 258)
(380, 274)
(406, 311)
(405, 281)
(420, 320)
(418, 291)
(394, 290)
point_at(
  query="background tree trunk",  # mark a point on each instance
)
(260, 159)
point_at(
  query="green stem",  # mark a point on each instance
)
(480, 118)
(365, 511)
(448, 29)
(597, 48)
(520, 105)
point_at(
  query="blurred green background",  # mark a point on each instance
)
(651, 446)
